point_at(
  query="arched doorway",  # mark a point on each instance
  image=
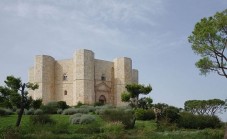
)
(102, 99)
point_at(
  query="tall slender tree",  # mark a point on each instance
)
(14, 86)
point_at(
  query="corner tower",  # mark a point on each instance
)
(123, 76)
(83, 77)
(44, 76)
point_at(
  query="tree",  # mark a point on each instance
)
(209, 40)
(13, 87)
(205, 107)
(133, 92)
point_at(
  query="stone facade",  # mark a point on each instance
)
(81, 79)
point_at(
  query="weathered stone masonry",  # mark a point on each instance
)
(81, 79)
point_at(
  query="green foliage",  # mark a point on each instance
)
(50, 108)
(88, 108)
(59, 111)
(36, 104)
(142, 114)
(71, 111)
(168, 114)
(124, 116)
(134, 90)
(79, 104)
(202, 107)
(208, 40)
(145, 103)
(4, 111)
(113, 127)
(62, 105)
(191, 121)
(41, 119)
(98, 104)
(125, 97)
(10, 133)
(87, 118)
(38, 112)
(10, 94)
(29, 112)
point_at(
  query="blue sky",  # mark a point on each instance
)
(152, 32)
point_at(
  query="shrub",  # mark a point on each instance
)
(50, 108)
(98, 104)
(89, 108)
(4, 111)
(79, 104)
(124, 116)
(11, 133)
(142, 114)
(69, 111)
(29, 112)
(62, 105)
(41, 119)
(188, 120)
(113, 127)
(59, 111)
(87, 118)
(81, 118)
(38, 112)
(36, 104)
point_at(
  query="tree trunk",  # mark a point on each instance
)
(21, 107)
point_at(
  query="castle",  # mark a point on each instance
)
(81, 79)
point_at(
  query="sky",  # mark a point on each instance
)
(153, 33)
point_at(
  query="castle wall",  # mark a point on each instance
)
(123, 76)
(64, 85)
(83, 84)
(135, 76)
(44, 76)
(31, 80)
(103, 68)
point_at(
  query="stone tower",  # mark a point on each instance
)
(83, 77)
(123, 76)
(44, 76)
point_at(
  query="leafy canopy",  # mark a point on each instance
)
(205, 107)
(209, 40)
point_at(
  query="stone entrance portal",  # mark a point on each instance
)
(102, 99)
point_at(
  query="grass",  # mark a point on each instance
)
(62, 129)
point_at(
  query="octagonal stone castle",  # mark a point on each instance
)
(81, 79)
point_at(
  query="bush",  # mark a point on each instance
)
(62, 105)
(59, 111)
(29, 112)
(36, 104)
(142, 114)
(50, 108)
(4, 112)
(89, 108)
(113, 127)
(188, 120)
(41, 119)
(81, 118)
(69, 111)
(115, 115)
(38, 112)
(98, 104)
(87, 118)
(10, 133)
